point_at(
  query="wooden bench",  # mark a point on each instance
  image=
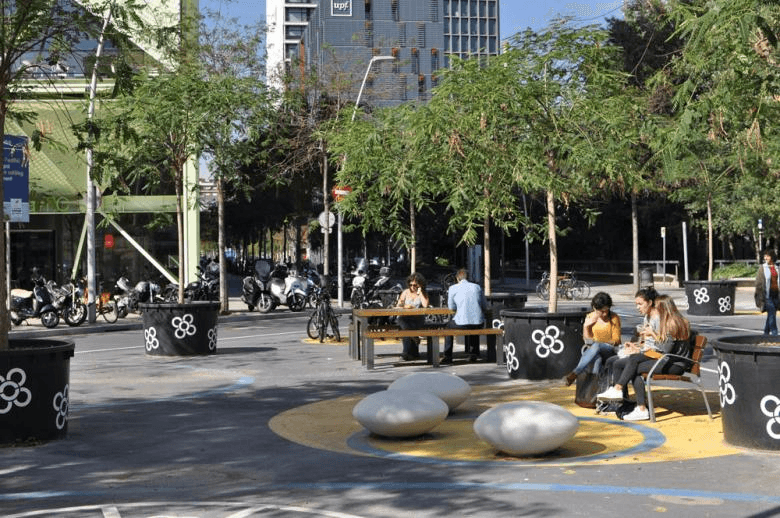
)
(694, 369)
(494, 339)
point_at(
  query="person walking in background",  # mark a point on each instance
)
(767, 294)
(602, 331)
(468, 302)
(414, 296)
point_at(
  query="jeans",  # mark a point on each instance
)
(594, 352)
(770, 327)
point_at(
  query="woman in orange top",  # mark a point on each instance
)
(602, 331)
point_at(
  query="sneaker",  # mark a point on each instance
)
(611, 394)
(637, 414)
(447, 360)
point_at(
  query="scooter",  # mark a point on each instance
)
(35, 303)
(366, 294)
(273, 286)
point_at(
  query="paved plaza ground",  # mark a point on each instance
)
(264, 429)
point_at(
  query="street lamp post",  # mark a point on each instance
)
(340, 261)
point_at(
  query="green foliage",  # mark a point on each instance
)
(734, 270)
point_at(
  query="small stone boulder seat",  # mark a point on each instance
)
(450, 388)
(524, 428)
(400, 413)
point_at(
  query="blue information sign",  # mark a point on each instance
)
(16, 179)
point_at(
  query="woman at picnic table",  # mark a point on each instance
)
(414, 296)
(662, 327)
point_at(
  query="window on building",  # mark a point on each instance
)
(294, 14)
(415, 61)
(434, 10)
(294, 32)
(434, 60)
(421, 35)
(394, 10)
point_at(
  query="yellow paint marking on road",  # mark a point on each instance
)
(680, 413)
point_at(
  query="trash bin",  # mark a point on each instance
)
(748, 370)
(711, 298)
(646, 278)
(540, 345)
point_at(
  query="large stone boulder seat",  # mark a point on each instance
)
(400, 413)
(450, 388)
(524, 428)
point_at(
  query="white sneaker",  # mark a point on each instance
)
(611, 394)
(637, 415)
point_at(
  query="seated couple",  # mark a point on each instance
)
(663, 325)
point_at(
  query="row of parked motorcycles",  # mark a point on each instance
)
(51, 302)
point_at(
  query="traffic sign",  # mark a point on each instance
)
(326, 219)
(339, 191)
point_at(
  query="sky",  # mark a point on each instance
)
(516, 15)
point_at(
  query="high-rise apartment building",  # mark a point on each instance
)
(420, 34)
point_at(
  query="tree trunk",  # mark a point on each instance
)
(486, 239)
(635, 241)
(413, 248)
(552, 306)
(5, 322)
(178, 173)
(223, 290)
(709, 238)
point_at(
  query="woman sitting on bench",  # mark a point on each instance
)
(414, 296)
(664, 327)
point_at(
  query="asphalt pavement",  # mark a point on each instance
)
(264, 428)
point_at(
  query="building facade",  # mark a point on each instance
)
(343, 35)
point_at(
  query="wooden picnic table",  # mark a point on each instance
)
(361, 335)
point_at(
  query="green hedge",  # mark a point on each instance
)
(734, 270)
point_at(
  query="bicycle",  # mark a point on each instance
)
(568, 287)
(104, 305)
(323, 317)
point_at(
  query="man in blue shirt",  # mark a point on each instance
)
(468, 302)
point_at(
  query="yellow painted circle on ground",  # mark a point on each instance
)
(682, 424)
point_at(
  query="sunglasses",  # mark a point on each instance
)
(413, 284)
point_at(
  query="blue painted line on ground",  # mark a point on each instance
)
(652, 439)
(569, 488)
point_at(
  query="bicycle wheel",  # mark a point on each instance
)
(312, 327)
(75, 315)
(580, 290)
(543, 289)
(110, 312)
(334, 325)
(322, 321)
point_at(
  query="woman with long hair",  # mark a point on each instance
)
(657, 337)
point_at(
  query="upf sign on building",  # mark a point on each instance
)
(341, 7)
(16, 179)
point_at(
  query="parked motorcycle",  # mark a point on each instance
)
(273, 286)
(35, 303)
(366, 292)
(128, 297)
(205, 288)
(68, 302)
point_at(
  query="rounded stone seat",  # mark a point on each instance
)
(400, 413)
(450, 388)
(526, 427)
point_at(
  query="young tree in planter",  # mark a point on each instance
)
(33, 35)
(569, 117)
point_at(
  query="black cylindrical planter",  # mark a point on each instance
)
(497, 302)
(749, 391)
(711, 298)
(541, 345)
(180, 329)
(34, 385)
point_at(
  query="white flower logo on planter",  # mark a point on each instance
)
(150, 337)
(724, 304)
(774, 414)
(701, 295)
(183, 326)
(547, 341)
(727, 393)
(213, 338)
(12, 392)
(512, 361)
(498, 323)
(60, 404)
